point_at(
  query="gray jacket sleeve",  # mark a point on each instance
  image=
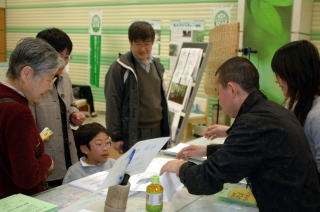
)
(113, 94)
(312, 131)
(72, 108)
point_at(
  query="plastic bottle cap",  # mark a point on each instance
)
(155, 179)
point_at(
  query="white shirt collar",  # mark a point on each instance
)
(84, 163)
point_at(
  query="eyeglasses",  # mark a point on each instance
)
(66, 57)
(147, 44)
(100, 144)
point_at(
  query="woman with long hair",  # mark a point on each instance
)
(297, 69)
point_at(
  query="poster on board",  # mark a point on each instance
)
(180, 89)
(183, 31)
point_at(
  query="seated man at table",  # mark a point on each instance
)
(265, 144)
(93, 146)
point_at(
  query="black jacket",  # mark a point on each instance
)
(266, 145)
(122, 97)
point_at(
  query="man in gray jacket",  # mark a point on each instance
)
(58, 111)
(136, 102)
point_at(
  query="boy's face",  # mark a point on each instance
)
(99, 149)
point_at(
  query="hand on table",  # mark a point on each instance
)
(192, 151)
(172, 166)
(216, 131)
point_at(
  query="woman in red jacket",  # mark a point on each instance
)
(23, 164)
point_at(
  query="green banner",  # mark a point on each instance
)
(267, 27)
(95, 54)
(95, 29)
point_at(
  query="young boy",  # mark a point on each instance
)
(93, 146)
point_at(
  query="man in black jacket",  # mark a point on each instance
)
(136, 103)
(265, 144)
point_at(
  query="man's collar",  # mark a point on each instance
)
(248, 103)
(252, 98)
(150, 58)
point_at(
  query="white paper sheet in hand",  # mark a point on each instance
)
(139, 182)
(200, 141)
(170, 182)
(134, 161)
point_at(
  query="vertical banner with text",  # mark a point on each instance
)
(95, 28)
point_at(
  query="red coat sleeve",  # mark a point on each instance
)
(29, 164)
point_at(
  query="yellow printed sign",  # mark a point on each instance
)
(242, 194)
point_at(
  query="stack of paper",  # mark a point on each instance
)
(200, 141)
(91, 183)
(22, 203)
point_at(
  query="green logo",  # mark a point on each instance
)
(95, 23)
(221, 18)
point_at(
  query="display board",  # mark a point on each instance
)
(184, 85)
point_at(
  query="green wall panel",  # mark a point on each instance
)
(267, 28)
(110, 4)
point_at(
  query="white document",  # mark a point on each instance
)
(170, 182)
(139, 182)
(90, 183)
(200, 141)
(198, 54)
(174, 150)
(192, 65)
(182, 61)
(204, 141)
(134, 161)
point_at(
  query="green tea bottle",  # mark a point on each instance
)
(154, 195)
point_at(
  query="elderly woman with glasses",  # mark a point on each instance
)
(23, 164)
